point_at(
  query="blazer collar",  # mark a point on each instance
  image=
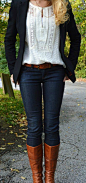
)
(23, 1)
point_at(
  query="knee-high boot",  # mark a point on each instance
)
(35, 159)
(51, 155)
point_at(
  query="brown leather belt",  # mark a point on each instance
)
(41, 66)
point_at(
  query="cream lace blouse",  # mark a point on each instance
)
(42, 37)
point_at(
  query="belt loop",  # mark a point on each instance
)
(51, 65)
(31, 66)
(38, 67)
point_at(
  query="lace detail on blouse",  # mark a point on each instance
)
(41, 33)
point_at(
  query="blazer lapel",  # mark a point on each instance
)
(23, 8)
(22, 13)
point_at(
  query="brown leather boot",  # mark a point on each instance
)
(35, 159)
(51, 155)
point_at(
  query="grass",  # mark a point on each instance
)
(12, 110)
(81, 73)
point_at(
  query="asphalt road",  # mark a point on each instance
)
(71, 165)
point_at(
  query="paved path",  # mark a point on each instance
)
(71, 165)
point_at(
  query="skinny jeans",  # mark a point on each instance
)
(33, 83)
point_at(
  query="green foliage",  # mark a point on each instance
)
(4, 11)
(11, 110)
(3, 25)
(79, 10)
(3, 62)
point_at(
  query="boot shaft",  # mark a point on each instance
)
(51, 155)
(35, 155)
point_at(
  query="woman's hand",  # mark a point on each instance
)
(13, 79)
(65, 78)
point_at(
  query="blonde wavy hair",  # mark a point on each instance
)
(60, 10)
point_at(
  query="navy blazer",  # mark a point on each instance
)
(17, 24)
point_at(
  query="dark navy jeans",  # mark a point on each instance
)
(34, 82)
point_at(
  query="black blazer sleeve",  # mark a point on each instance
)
(75, 39)
(10, 38)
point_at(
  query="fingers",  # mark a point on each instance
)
(12, 78)
(65, 78)
(17, 83)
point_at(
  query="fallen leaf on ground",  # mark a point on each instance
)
(13, 160)
(22, 125)
(25, 135)
(25, 151)
(23, 178)
(24, 138)
(10, 143)
(11, 132)
(16, 134)
(20, 136)
(14, 170)
(2, 148)
(3, 139)
(3, 145)
(19, 146)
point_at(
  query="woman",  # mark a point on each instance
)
(42, 27)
